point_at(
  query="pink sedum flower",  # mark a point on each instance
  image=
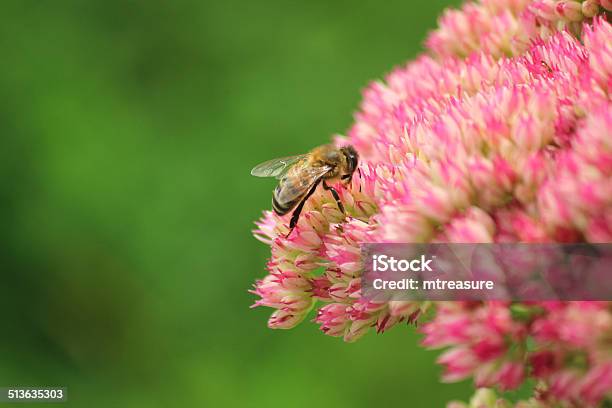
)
(501, 132)
(289, 294)
(485, 342)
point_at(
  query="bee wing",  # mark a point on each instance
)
(297, 184)
(275, 167)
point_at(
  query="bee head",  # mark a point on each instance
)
(352, 158)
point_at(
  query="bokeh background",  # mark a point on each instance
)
(128, 130)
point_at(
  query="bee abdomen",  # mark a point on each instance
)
(280, 207)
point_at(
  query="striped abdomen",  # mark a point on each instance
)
(287, 195)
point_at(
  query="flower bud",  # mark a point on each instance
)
(590, 8)
(484, 398)
(569, 10)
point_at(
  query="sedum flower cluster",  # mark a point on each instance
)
(500, 132)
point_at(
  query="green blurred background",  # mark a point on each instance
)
(128, 131)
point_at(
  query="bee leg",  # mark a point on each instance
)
(360, 178)
(336, 196)
(298, 210)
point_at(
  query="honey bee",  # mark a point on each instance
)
(299, 176)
